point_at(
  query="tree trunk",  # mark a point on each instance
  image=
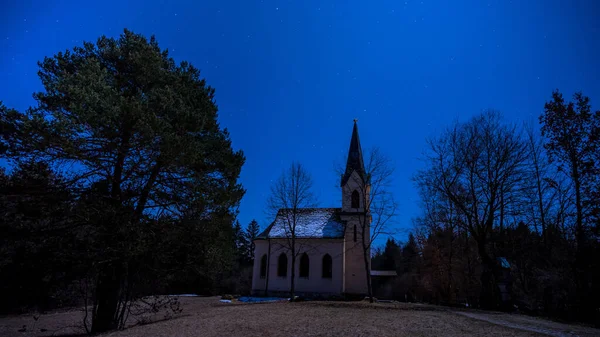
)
(501, 210)
(580, 256)
(450, 277)
(293, 272)
(579, 233)
(366, 252)
(368, 273)
(107, 294)
(541, 205)
(489, 286)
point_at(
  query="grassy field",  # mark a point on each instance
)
(209, 317)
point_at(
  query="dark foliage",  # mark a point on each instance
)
(387, 259)
(37, 238)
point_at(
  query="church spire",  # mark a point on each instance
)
(355, 158)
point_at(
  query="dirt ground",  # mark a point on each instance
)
(208, 317)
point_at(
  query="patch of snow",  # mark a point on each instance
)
(250, 299)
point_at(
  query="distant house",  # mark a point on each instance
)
(331, 259)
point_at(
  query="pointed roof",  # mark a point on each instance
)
(355, 158)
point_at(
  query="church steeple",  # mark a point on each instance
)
(355, 158)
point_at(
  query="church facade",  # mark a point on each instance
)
(329, 259)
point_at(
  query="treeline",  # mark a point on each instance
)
(120, 184)
(510, 217)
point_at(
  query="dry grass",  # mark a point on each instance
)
(209, 317)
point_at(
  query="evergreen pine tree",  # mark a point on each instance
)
(123, 116)
(252, 232)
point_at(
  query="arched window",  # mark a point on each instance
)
(263, 266)
(327, 266)
(282, 265)
(304, 265)
(355, 199)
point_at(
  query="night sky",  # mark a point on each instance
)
(290, 76)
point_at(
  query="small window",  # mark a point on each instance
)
(354, 233)
(355, 199)
(327, 266)
(304, 265)
(263, 266)
(282, 265)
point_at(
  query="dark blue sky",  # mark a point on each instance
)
(291, 75)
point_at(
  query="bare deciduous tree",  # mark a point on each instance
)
(546, 190)
(290, 194)
(478, 167)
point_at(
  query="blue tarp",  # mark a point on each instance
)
(248, 299)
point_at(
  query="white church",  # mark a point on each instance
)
(330, 260)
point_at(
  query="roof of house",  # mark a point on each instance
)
(314, 223)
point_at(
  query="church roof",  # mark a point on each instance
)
(355, 158)
(318, 223)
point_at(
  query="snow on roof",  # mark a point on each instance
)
(310, 223)
(383, 273)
